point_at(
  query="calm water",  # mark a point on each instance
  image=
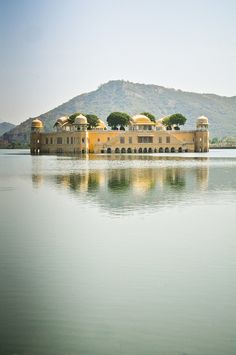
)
(118, 255)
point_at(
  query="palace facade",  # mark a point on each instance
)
(141, 136)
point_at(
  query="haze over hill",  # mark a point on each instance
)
(134, 98)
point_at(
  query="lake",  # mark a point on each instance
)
(130, 254)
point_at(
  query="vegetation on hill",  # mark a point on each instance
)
(123, 96)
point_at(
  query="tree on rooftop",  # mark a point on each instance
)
(149, 115)
(166, 122)
(93, 121)
(174, 121)
(118, 119)
(177, 119)
(72, 117)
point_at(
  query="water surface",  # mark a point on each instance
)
(132, 254)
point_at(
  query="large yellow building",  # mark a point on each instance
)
(141, 136)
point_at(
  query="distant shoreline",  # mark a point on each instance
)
(222, 147)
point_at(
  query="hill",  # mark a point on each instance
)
(5, 127)
(134, 98)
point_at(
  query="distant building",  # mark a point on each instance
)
(141, 136)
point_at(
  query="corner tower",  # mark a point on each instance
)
(81, 124)
(202, 135)
(35, 137)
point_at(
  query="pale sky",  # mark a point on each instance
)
(53, 50)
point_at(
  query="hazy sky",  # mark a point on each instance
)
(53, 50)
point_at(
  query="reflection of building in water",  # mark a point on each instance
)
(145, 180)
(203, 177)
(175, 177)
(37, 177)
(142, 136)
(84, 182)
(134, 187)
(37, 180)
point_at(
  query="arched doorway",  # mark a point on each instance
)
(149, 150)
(167, 150)
(172, 150)
(123, 150)
(117, 150)
(180, 150)
(155, 150)
(160, 150)
(129, 150)
(140, 150)
(145, 150)
(109, 150)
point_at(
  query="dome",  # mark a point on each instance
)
(141, 119)
(62, 120)
(37, 123)
(101, 125)
(202, 120)
(81, 120)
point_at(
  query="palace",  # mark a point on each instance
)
(141, 136)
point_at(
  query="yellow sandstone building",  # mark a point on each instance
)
(141, 136)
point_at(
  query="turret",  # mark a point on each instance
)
(202, 135)
(35, 138)
(202, 123)
(81, 123)
(36, 125)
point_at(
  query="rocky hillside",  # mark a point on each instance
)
(5, 127)
(135, 98)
